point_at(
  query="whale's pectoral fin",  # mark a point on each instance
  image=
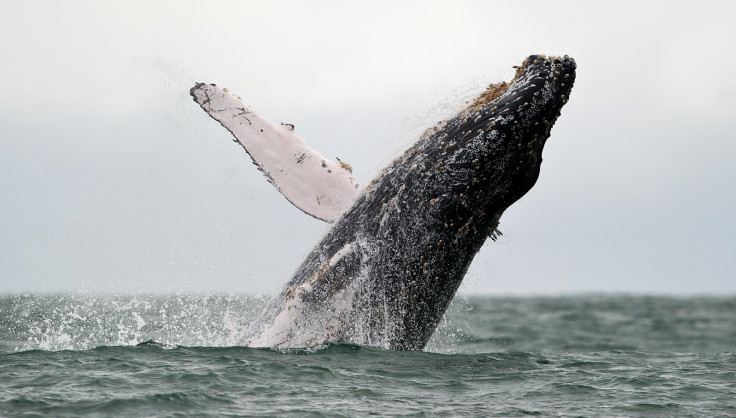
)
(319, 187)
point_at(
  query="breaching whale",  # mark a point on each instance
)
(398, 249)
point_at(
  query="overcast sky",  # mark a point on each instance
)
(113, 180)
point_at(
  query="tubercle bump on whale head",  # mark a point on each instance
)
(514, 120)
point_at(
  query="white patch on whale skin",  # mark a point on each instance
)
(281, 328)
(316, 185)
(340, 254)
(300, 325)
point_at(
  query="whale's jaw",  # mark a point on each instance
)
(387, 270)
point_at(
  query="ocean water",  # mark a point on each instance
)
(591, 355)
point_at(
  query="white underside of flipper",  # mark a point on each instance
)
(319, 187)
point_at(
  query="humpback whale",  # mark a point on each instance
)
(398, 249)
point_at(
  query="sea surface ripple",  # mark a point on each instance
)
(589, 355)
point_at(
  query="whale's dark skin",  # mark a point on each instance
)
(406, 243)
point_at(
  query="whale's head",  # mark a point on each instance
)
(512, 121)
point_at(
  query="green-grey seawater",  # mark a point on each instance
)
(76, 355)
